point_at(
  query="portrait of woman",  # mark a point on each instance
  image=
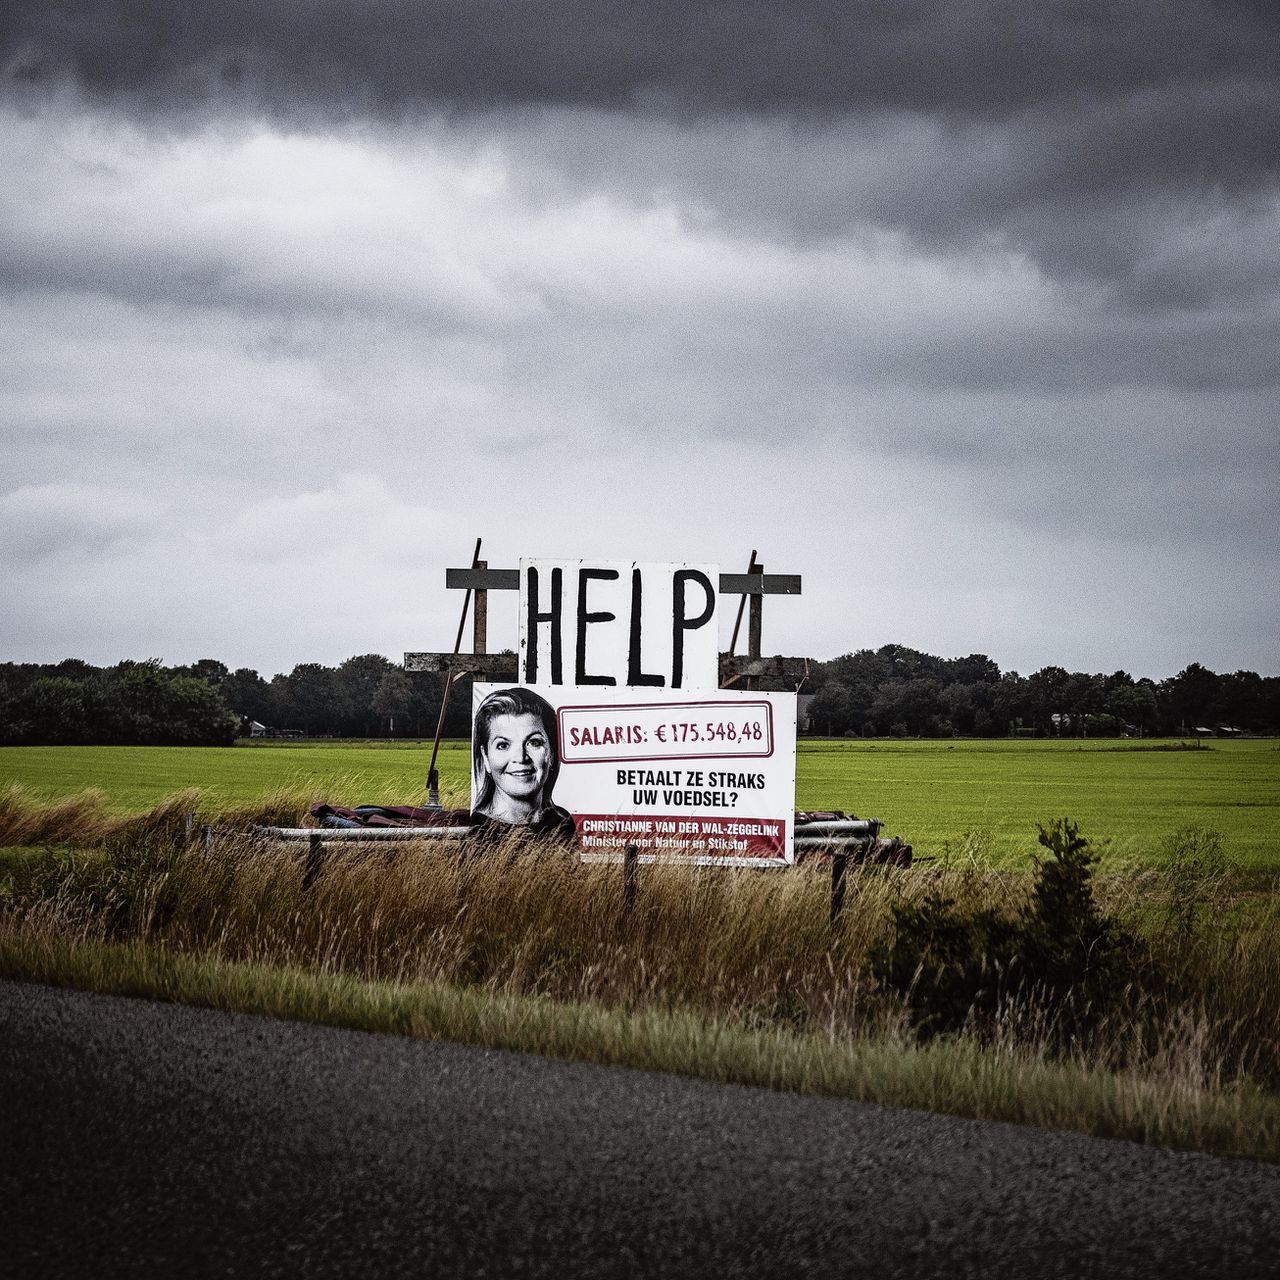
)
(515, 761)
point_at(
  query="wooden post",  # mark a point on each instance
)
(839, 865)
(480, 615)
(315, 856)
(755, 611)
(630, 877)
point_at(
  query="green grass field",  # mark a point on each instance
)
(934, 792)
(950, 799)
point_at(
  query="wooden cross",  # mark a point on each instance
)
(478, 580)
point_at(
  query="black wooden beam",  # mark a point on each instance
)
(731, 584)
(482, 579)
(759, 584)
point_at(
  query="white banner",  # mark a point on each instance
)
(707, 776)
(606, 624)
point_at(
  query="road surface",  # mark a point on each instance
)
(143, 1139)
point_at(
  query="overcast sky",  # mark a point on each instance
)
(967, 312)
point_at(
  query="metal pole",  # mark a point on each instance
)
(433, 778)
(742, 601)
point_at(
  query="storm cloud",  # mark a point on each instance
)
(985, 60)
(968, 311)
(989, 117)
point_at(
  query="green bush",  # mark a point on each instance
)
(1059, 953)
(950, 966)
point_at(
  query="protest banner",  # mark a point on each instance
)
(706, 775)
(610, 624)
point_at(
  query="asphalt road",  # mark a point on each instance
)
(144, 1139)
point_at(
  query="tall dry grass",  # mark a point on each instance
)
(511, 920)
(84, 820)
(743, 950)
(750, 945)
(27, 820)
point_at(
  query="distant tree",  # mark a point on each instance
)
(1194, 697)
(968, 707)
(831, 711)
(912, 705)
(208, 669)
(865, 667)
(74, 669)
(1049, 691)
(1013, 703)
(1085, 695)
(1133, 703)
(54, 710)
(1269, 708)
(310, 698)
(247, 694)
(911, 664)
(358, 680)
(195, 715)
(391, 699)
(138, 695)
(1241, 701)
(977, 668)
(423, 705)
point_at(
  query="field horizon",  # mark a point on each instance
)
(954, 800)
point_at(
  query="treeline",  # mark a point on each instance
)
(132, 703)
(890, 691)
(900, 692)
(209, 704)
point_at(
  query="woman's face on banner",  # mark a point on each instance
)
(518, 755)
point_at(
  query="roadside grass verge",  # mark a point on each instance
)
(955, 1076)
(735, 975)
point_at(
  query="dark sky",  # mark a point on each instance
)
(970, 313)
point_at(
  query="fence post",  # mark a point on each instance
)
(839, 865)
(630, 876)
(315, 856)
(207, 829)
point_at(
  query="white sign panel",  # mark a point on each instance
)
(705, 776)
(619, 624)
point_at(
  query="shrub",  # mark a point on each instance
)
(1059, 952)
(1082, 960)
(948, 965)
